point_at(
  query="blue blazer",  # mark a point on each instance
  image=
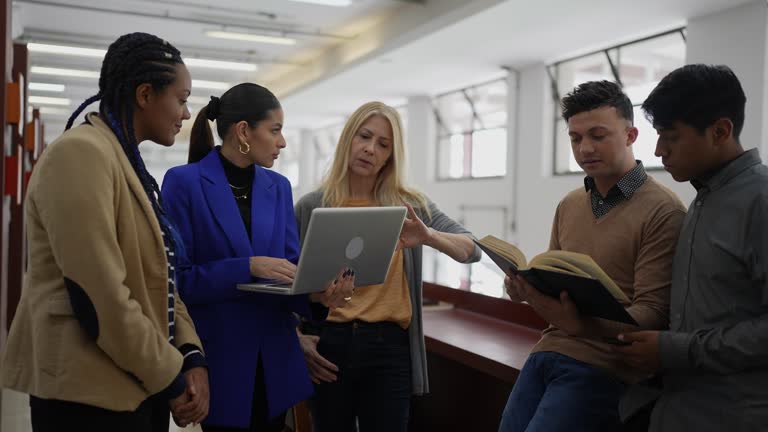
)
(236, 327)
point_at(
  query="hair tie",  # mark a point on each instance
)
(213, 109)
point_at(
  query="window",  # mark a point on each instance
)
(402, 110)
(288, 163)
(483, 277)
(472, 132)
(638, 67)
(325, 141)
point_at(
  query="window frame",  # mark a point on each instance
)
(553, 74)
(292, 156)
(442, 132)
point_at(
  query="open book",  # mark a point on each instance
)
(552, 272)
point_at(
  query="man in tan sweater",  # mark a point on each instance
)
(628, 223)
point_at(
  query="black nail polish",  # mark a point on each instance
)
(335, 281)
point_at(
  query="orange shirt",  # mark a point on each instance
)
(390, 301)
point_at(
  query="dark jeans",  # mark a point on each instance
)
(556, 393)
(374, 378)
(50, 415)
(259, 420)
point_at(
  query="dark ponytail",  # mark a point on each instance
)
(244, 102)
(201, 138)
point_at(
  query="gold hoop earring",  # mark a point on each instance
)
(247, 148)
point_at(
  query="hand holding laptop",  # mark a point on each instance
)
(277, 269)
(338, 292)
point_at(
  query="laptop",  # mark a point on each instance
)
(360, 238)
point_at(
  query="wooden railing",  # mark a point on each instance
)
(476, 346)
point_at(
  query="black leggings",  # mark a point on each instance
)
(259, 420)
(373, 389)
(51, 415)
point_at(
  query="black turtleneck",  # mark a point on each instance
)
(240, 183)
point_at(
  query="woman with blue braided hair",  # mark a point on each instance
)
(101, 340)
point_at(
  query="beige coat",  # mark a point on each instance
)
(89, 220)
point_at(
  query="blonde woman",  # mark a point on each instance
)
(368, 356)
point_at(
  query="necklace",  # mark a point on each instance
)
(239, 189)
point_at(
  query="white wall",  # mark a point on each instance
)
(737, 38)
(307, 156)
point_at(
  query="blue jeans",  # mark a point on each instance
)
(558, 393)
(374, 379)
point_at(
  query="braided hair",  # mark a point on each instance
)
(134, 59)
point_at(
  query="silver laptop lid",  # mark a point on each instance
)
(361, 238)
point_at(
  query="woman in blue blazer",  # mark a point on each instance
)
(237, 222)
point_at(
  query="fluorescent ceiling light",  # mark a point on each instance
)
(210, 85)
(250, 37)
(52, 111)
(218, 64)
(66, 50)
(201, 100)
(58, 88)
(64, 72)
(327, 2)
(100, 53)
(42, 100)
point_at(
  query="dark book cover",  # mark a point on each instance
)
(589, 295)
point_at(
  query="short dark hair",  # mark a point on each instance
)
(246, 101)
(697, 95)
(596, 94)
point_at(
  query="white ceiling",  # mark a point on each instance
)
(513, 33)
(86, 23)
(375, 49)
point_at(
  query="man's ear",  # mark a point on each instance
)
(722, 130)
(144, 95)
(632, 133)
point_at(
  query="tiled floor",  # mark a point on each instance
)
(15, 414)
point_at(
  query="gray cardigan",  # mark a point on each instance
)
(412, 257)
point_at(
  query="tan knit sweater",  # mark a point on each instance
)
(634, 243)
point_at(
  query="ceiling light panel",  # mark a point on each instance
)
(45, 87)
(40, 70)
(210, 85)
(219, 64)
(43, 100)
(250, 37)
(337, 3)
(100, 53)
(66, 50)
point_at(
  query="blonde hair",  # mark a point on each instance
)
(390, 188)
